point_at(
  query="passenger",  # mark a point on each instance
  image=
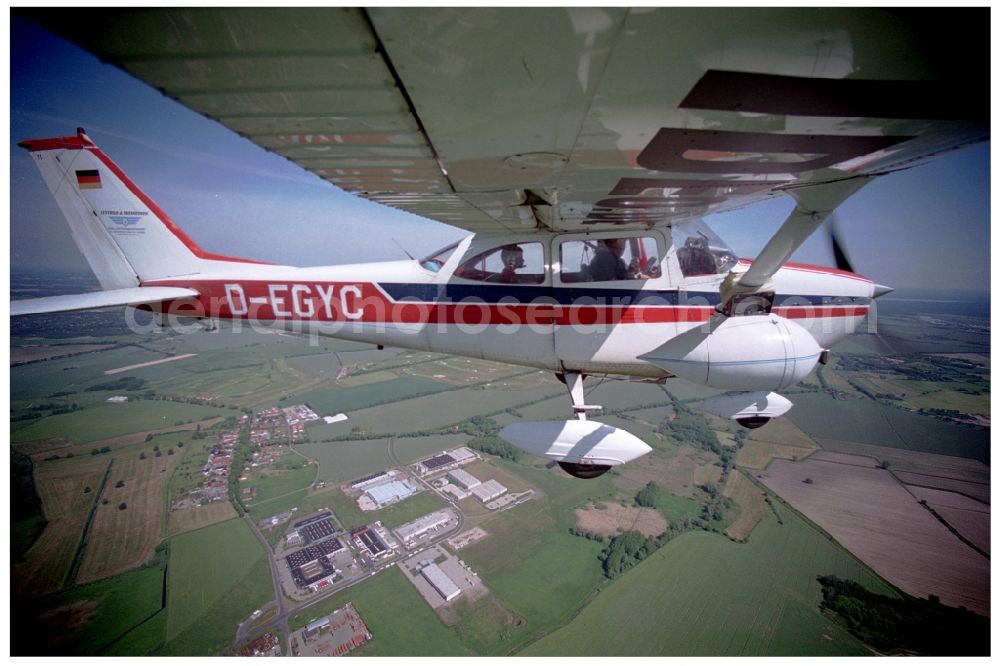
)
(609, 265)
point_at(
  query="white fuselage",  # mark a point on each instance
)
(590, 327)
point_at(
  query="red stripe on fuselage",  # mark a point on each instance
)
(364, 302)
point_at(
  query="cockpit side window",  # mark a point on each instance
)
(700, 251)
(514, 263)
(609, 259)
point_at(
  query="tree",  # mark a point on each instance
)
(142, 455)
(86, 490)
(625, 551)
(649, 496)
(149, 437)
(122, 506)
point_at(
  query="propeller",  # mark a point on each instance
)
(837, 245)
(891, 341)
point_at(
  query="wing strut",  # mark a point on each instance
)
(752, 291)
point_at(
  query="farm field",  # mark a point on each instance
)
(873, 516)
(347, 460)
(867, 422)
(187, 520)
(751, 502)
(122, 539)
(702, 594)
(100, 615)
(62, 486)
(329, 401)
(969, 517)
(272, 483)
(114, 420)
(217, 576)
(608, 520)
(432, 411)
(75, 373)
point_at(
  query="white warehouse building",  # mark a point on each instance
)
(439, 580)
(464, 479)
(387, 493)
(422, 525)
(489, 490)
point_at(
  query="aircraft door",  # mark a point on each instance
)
(509, 286)
(604, 283)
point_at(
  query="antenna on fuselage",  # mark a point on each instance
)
(403, 248)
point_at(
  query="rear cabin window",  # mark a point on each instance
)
(609, 259)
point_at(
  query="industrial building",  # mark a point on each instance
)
(489, 490)
(463, 479)
(316, 528)
(388, 493)
(446, 460)
(311, 566)
(454, 491)
(462, 454)
(371, 480)
(369, 539)
(422, 525)
(439, 580)
(437, 462)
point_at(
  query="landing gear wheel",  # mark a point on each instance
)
(753, 422)
(582, 471)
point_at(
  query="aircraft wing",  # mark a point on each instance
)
(99, 299)
(566, 118)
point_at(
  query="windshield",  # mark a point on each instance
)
(700, 251)
(434, 262)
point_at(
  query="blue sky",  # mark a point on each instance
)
(928, 226)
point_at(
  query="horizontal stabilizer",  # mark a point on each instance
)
(99, 299)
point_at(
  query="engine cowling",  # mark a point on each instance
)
(753, 353)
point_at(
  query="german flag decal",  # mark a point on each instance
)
(88, 180)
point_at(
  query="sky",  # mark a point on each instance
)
(925, 227)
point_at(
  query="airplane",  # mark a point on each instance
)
(583, 149)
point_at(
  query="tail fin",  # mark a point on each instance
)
(125, 237)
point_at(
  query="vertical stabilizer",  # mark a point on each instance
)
(126, 238)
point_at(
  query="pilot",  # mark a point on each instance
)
(512, 258)
(695, 258)
(609, 265)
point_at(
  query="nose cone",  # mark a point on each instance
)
(881, 290)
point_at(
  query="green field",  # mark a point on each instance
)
(869, 422)
(432, 411)
(703, 594)
(105, 612)
(218, 575)
(400, 621)
(329, 401)
(113, 420)
(347, 460)
(75, 373)
(278, 482)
